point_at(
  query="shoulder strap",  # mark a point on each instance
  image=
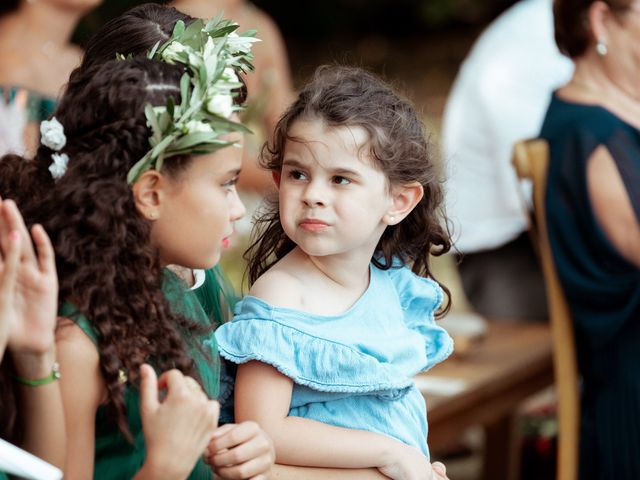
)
(71, 312)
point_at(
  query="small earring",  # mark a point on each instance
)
(392, 218)
(151, 215)
(601, 48)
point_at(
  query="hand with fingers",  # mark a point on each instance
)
(241, 451)
(28, 285)
(439, 471)
(177, 429)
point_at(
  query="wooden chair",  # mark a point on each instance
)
(531, 159)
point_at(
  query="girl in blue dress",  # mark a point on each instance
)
(338, 320)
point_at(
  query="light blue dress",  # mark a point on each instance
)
(356, 369)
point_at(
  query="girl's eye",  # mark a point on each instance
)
(231, 183)
(297, 175)
(338, 180)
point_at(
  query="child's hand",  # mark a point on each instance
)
(178, 428)
(439, 471)
(242, 451)
(409, 463)
(29, 284)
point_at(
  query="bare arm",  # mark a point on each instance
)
(288, 472)
(612, 206)
(263, 394)
(82, 389)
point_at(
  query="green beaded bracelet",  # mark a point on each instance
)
(52, 377)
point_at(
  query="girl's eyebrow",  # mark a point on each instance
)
(339, 171)
(292, 162)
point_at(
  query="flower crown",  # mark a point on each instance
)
(212, 53)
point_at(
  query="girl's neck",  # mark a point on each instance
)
(346, 271)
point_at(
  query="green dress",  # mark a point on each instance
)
(115, 457)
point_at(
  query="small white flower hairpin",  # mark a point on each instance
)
(52, 136)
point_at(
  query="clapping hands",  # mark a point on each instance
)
(28, 285)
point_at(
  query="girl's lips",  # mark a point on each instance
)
(313, 225)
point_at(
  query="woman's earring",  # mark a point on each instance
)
(152, 215)
(392, 218)
(601, 48)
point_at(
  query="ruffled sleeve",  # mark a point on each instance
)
(419, 299)
(279, 337)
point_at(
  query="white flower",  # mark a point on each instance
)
(59, 165)
(52, 134)
(238, 44)
(172, 53)
(221, 104)
(194, 126)
(229, 75)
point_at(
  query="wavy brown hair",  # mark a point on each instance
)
(107, 266)
(352, 97)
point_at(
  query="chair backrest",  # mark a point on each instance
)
(531, 160)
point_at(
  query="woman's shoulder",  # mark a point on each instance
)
(568, 120)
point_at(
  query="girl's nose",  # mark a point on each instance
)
(236, 207)
(314, 194)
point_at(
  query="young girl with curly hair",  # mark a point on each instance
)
(338, 320)
(138, 171)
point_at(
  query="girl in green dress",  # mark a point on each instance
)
(137, 171)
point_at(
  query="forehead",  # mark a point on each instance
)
(314, 138)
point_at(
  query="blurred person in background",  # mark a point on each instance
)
(593, 220)
(36, 58)
(499, 97)
(269, 87)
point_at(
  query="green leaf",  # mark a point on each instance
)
(162, 145)
(154, 50)
(178, 30)
(141, 166)
(185, 82)
(152, 121)
(191, 139)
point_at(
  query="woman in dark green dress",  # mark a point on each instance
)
(593, 215)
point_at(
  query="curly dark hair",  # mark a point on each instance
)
(349, 96)
(107, 266)
(134, 33)
(572, 31)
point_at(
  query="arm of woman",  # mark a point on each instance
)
(82, 389)
(612, 205)
(263, 394)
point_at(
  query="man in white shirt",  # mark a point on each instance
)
(499, 97)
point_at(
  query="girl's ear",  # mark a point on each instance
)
(148, 192)
(404, 198)
(276, 178)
